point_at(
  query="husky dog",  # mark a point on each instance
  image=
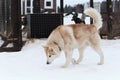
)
(67, 37)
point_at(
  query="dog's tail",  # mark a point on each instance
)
(97, 19)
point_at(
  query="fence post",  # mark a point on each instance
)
(109, 19)
(62, 9)
(91, 5)
(16, 23)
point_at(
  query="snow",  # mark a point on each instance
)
(30, 63)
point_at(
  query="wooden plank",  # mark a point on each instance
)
(9, 49)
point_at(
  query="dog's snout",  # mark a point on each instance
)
(48, 63)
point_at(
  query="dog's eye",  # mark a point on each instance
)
(51, 50)
(49, 55)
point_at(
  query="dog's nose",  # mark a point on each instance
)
(48, 63)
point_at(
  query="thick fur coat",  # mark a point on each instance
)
(68, 37)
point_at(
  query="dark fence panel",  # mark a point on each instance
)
(41, 25)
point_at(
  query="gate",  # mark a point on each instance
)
(10, 25)
(41, 25)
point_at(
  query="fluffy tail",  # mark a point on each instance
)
(97, 19)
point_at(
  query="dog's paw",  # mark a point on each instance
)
(74, 61)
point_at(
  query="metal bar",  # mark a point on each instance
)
(61, 6)
(91, 5)
(62, 9)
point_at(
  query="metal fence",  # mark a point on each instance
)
(41, 25)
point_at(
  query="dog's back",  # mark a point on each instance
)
(79, 33)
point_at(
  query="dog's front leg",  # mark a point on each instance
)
(68, 56)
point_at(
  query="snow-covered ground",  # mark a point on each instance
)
(30, 64)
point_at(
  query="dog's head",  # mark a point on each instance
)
(52, 51)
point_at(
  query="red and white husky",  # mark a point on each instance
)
(68, 37)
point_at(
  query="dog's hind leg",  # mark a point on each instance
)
(100, 53)
(94, 42)
(97, 48)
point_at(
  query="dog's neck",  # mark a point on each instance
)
(57, 45)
